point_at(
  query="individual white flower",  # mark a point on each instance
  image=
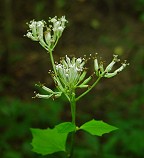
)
(32, 27)
(99, 68)
(53, 96)
(63, 19)
(40, 27)
(96, 67)
(48, 37)
(53, 20)
(110, 66)
(30, 35)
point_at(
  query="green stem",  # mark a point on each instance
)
(88, 89)
(52, 60)
(73, 112)
(73, 108)
(55, 43)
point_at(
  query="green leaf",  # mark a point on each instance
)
(65, 127)
(97, 127)
(48, 141)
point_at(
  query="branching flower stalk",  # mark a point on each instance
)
(69, 74)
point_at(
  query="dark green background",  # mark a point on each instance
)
(102, 26)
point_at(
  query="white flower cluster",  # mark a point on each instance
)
(71, 73)
(99, 68)
(47, 36)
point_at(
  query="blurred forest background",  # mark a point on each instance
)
(104, 26)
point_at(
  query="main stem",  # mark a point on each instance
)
(73, 112)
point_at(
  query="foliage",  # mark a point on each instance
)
(48, 141)
(97, 127)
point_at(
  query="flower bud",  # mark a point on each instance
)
(47, 35)
(32, 26)
(109, 75)
(47, 89)
(96, 67)
(110, 66)
(29, 35)
(43, 96)
(122, 67)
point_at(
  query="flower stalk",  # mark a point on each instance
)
(89, 89)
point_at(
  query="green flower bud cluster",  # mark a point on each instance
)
(50, 93)
(101, 72)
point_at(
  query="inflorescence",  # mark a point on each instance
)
(68, 74)
(47, 36)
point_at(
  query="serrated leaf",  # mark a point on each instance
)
(48, 141)
(65, 127)
(97, 127)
